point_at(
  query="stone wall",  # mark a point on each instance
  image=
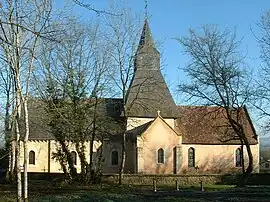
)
(188, 180)
(170, 179)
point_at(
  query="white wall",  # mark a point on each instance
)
(217, 158)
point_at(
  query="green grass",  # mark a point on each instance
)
(46, 191)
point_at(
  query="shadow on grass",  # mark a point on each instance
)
(39, 191)
(146, 194)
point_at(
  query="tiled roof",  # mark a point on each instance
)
(139, 130)
(209, 125)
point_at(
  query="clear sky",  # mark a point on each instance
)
(172, 18)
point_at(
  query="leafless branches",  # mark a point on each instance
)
(217, 77)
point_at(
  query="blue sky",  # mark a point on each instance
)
(172, 18)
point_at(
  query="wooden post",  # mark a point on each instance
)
(202, 189)
(176, 185)
(154, 185)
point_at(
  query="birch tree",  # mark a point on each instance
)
(22, 24)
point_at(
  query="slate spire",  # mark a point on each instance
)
(146, 37)
(147, 57)
(148, 91)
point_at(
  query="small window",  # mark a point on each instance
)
(74, 157)
(160, 154)
(32, 158)
(267, 165)
(191, 157)
(238, 158)
(114, 158)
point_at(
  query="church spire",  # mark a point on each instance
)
(147, 56)
(146, 37)
(148, 91)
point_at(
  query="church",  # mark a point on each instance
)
(161, 137)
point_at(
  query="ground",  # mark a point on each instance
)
(45, 191)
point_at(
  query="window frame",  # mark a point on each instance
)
(191, 157)
(32, 158)
(114, 158)
(238, 158)
(160, 156)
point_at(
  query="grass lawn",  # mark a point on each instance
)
(45, 191)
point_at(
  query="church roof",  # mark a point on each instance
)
(146, 36)
(148, 91)
(140, 129)
(108, 116)
(209, 125)
(196, 125)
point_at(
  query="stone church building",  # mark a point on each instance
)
(161, 137)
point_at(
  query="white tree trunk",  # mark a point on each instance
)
(18, 93)
(18, 153)
(25, 187)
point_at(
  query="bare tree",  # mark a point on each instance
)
(217, 77)
(261, 95)
(90, 7)
(123, 39)
(6, 90)
(22, 24)
(75, 73)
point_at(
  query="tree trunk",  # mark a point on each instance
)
(25, 187)
(91, 170)
(11, 164)
(100, 159)
(248, 171)
(123, 159)
(72, 170)
(18, 167)
(91, 153)
(80, 148)
(17, 130)
(242, 157)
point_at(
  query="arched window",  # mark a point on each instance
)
(32, 160)
(114, 158)
(238, 158)
(160, 155)
(191, 157)
(74, 157)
